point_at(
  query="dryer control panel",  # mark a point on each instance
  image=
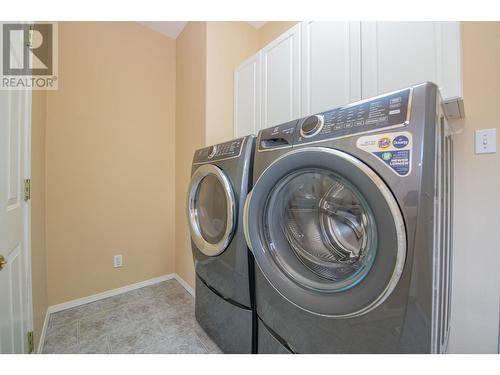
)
(231, 149)
(391, 110)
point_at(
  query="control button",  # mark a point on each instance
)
(213, 152)
(311, 126)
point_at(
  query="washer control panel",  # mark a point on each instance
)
(221, 151)
(378, 113)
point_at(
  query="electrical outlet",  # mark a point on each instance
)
(118, 261)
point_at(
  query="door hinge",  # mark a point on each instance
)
(29, 42)
(27, 189)
(31, 345)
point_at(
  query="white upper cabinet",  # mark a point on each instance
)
(281, 78)
(399, 54)
(331, 65)
(247, 103)
(317, 66)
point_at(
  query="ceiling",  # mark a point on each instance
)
(257, 24)
(172, 29)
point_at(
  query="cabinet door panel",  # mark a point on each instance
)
(281, 79)
(331, 65)
(400, 54)
(451, 60)
(247, 97)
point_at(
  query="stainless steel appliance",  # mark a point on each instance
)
(221, 178)
(349, 221)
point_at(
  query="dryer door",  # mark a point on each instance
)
(326, 232)
(211, 210)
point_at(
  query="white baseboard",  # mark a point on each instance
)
(106, 294)
(44, 331)
(184, 284)
(114, 292)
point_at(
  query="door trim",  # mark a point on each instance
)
(204, 246)
(27, 208)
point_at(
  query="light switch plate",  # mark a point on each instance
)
(486, 141)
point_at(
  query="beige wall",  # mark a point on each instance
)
(95, 109)
(190, 132)
(228, 44)
(110, 150)
(476, 279)
(38, 250)
(271, 30)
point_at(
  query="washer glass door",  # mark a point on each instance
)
(326, 232)
(328, 225)
(211, 210)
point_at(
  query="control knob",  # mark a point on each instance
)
(213, 152)
(311, 126)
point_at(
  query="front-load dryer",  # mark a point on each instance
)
(349, 222)
(220, 181)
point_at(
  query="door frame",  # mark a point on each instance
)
(28, 100)
(27, 209)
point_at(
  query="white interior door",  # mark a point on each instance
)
(247, 97)
(281, 79)
(15, 273)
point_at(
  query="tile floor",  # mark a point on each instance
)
(154, 319)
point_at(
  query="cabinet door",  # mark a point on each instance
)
(400, 54)
(331, 65)
(247, 97)
(281, 79)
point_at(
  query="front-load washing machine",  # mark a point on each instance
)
(220, 181)
(349, 222)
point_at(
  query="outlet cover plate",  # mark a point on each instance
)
(486, 141)
(118, 261)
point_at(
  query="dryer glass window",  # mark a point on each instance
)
(211, 209)
(327, 225)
